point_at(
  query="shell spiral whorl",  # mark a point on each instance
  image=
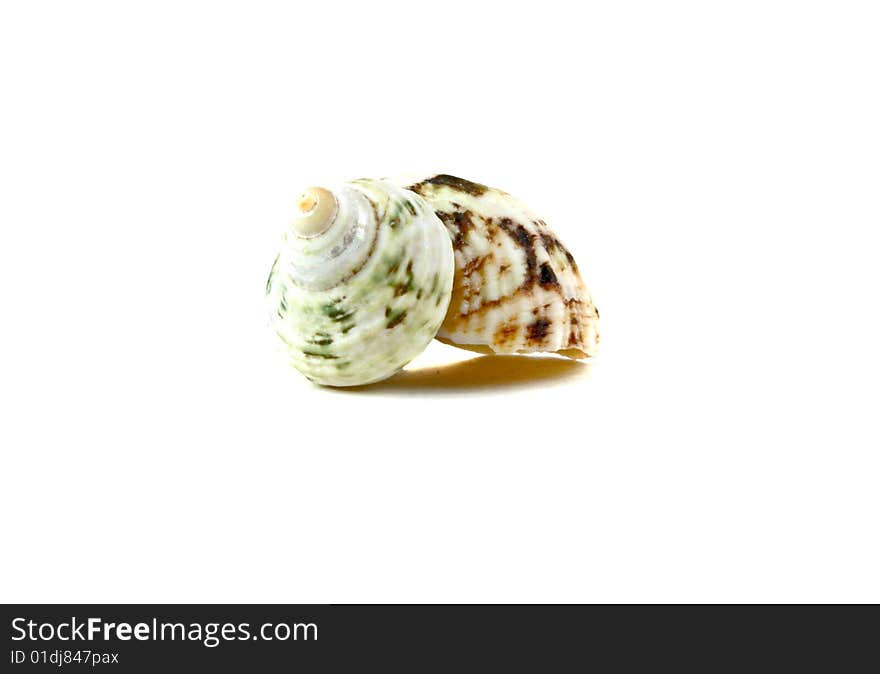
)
(332, 237)
(362, 282)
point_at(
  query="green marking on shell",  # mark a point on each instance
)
(379, 317)
(395, 318)
(282, 302)
(333, 310)
(319, 354)
(321, 339)
(392, 265)
(404, 286)
(272, 274)
(336, 312)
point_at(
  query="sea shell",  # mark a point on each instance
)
(517, 288)
(362, 282)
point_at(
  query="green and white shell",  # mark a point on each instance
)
(362, 282)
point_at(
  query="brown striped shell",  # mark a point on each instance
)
(517, 289)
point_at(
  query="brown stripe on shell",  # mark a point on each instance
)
(538, 330)
(474, 189)
(548, 276)
(568, 256)
(506, 333)
(458, 224)
(354, 270)
(525, 240)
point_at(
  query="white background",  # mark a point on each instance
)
(713, 166)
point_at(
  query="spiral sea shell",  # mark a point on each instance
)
(517, 289)
(362, 282)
